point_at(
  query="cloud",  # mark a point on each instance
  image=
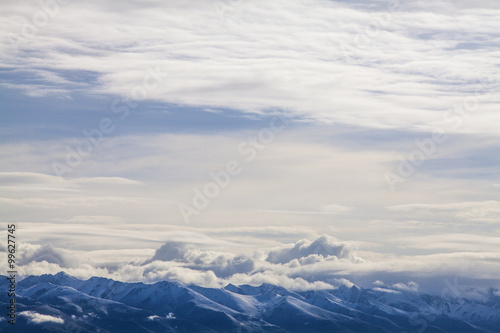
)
(185, 275)
(301, 189)
(410, 286)
(26, 178)
(323, 246)
(336, 208)
(357, 103)
(170, 251)
(338, 53)
(453, 241)
(222, 264)
(107, 180)
(50, 203)
(471, 211)
(298, 266)
(30, 253)
(208, 257)
(38, 318)
(20, 179)
(95, 219)
(280, 280)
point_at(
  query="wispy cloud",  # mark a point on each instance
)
(250, 60)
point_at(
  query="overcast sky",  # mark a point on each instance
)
(304, 143)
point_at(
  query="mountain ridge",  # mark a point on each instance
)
(168, 306)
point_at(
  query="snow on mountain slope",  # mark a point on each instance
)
(112, 306)
(241, 303)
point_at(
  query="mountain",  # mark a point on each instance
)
(61, 303)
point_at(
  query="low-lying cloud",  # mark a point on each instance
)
(320, 263)
(38, 318)
(222, 264)
(324, 246)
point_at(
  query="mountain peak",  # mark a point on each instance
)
(235, 289)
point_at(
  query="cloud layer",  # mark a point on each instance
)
(320, 263)
(361, 82)
(380, 65)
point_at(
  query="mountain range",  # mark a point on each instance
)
(62, 303)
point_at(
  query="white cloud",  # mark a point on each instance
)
(38, 318)
(222, 264)
(191, 265)
(471, 211)
(185, 275)
(322, 186)
(453, 241)
(324, 246)
(410, 286)
(385, 290)
(107, 180)
(95, 219)
(260, 55)
(280, 280)
(336, 208)
(30, 253)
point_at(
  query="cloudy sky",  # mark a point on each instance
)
(305, 143)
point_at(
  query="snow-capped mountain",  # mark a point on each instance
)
(61, 303)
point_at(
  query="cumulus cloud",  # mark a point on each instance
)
(187, 263)
(323, 246)
(185, 275)
(38, 318)
(35, 253)
(321, 263)
(170, 251)
(222, 264)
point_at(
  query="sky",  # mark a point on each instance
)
(305, 143)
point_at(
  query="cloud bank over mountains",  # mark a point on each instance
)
(186, 83)
(322, 263)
